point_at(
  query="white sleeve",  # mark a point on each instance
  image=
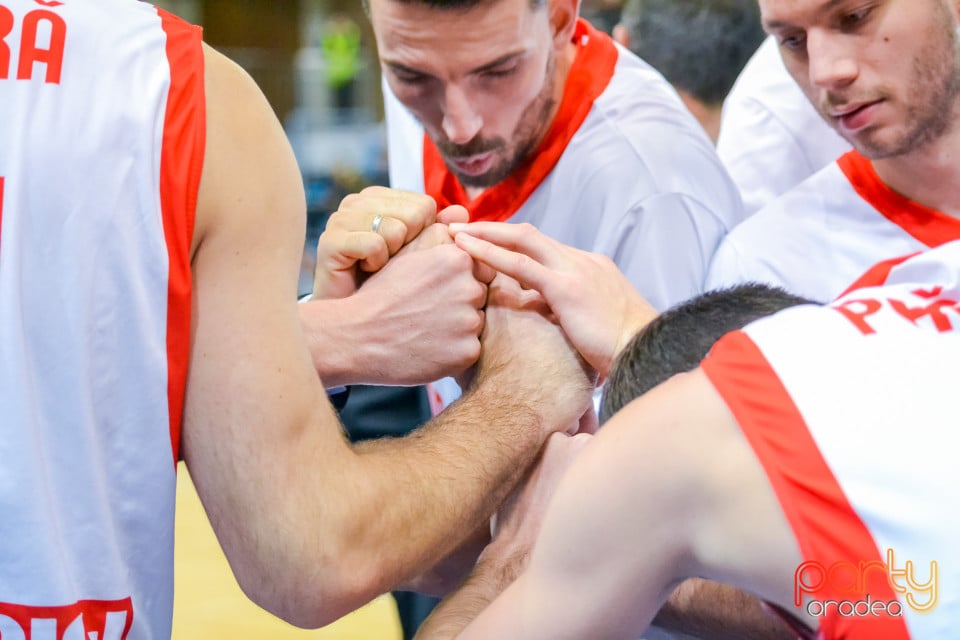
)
(666, 247)
(760, 153)
(404, 144)
(727, 267)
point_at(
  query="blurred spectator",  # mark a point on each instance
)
(602, 14)
(341, 52)
(700, 46)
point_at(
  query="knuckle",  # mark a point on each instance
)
(462, 259)
(520, 262)
(373, 190)
(349, 201)
(471, 352)
(477, 324)
(479, 293)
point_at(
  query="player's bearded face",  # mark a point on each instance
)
(917, 91)
(509, 152)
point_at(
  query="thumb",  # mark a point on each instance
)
(453, 213)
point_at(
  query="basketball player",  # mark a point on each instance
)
(896, 192)
(521, 111)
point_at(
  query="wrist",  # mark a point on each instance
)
(327, 329)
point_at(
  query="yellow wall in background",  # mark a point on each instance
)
(209, 605)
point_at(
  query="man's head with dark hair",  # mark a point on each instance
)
(678, 339)
(485, 78)
(700, 46)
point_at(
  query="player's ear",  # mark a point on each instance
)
(563, 20)
(621, 35)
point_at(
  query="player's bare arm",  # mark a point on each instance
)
(516, 526)
(635, 541)
(291, 503)
(706, 609)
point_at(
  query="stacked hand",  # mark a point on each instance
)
(596, 305)
(372, 226)
(410, 301)
(532, 359)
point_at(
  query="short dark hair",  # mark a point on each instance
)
(678, 339)
(700, 46)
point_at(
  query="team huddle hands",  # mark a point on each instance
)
(394, 247)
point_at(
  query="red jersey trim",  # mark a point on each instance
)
(92, 616)
(826, 527)
(929, 226)
(877, 275)
(181, 163)
(589, 76)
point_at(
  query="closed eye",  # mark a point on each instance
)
(855, 19)
(502, 72)
(409, 77)
(794, 42)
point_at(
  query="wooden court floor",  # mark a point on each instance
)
(208, 603)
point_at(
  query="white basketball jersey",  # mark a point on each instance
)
(821, 235)
(851, 409)
(102, 128)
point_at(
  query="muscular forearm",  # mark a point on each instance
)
(712, 611)
(440, 484)
(388, 509)
(450, 573)
(496, 569)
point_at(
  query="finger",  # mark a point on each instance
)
(483, 272)
(522, 238)
(416, 210)
(373, 261)
(433, 236)
(522, 268)
(392, 230)
(350, 248)
(453, 214)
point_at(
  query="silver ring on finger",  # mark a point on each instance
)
(377, 221)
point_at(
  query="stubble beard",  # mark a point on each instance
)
(534, 122)
(933, 99)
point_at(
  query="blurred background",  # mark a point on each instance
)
(316, 62)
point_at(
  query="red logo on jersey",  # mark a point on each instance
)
(85, 620)
(942, 313)
(43, 44)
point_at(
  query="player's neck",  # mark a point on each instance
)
(930, 175)
(474, 192)
(707, 115)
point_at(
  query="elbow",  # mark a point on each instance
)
(313, 594)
